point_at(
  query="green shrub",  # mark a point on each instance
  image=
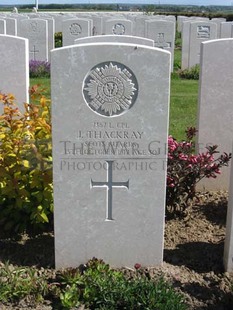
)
(185, 169)
(58, 39)
(100, 287)
(20, 282)
(190, 74)
(178, 41)
(96, 287)
(26, 166)
(25, 163)
(39, 69)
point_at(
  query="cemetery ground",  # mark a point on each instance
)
(192, 258)
(193, 249)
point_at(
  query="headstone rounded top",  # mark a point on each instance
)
(110, 89)
(15, 10)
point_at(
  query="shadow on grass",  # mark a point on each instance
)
(198, 256)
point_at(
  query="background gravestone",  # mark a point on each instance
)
(97, 28)
(118, 27)
(163, 34)
(14, 63)
(192, 45)
(215, 113)
(218, 22)
(226, 30)
(36, 31)
(75, 28)
(11, 26)
(110, 127)
(200, 31)
(114, 38)
(2, 26)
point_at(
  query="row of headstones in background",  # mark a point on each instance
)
(99, 20)
(197, 30)
(36, 30)
(218, 21)
(14, 64)
(39, 32)
(161, 31)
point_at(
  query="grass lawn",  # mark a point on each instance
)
(44, 83)
(183, 106)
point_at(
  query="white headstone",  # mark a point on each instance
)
(118, 27)
(180, 20)
(226, 30)
(15, 10)
(97, 28)
(139, 27)
(194, 32)
(51, 33)
(228, 247)
(110, 126)
(215, 113)
(114, 38)
(2, 26)
(11, 26)
(218, 22)
(75, 28)
(185, 44)
(14, 63)
(36, 31)
(200, 31)
(163, 33)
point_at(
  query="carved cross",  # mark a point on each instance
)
(34, 51)
(109, 185)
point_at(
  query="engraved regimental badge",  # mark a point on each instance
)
(110, 89)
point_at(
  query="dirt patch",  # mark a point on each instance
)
(193, 255)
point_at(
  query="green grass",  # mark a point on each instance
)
(183, 106)
(44, 83)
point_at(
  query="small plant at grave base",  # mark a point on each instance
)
(39, 69)
(190, 74)
(100, 287)
(185, 170)
(18, 283)
(25, 163)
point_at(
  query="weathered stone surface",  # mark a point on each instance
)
(114, 38)
(110, 128)
(14, 63)
(215, 113)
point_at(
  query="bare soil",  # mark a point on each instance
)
(193, 255)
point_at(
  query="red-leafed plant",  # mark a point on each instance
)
(185, 169)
